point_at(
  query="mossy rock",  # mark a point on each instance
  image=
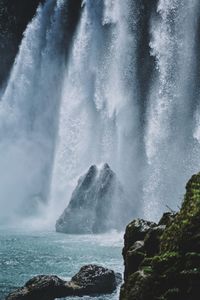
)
(138, 287)
(136, 231)
(166, 263)
(133, 261)
(170, 269)
(147, 270)
(183, 234)
(152, 240)
(167, 218)
(146, 262)
(172, 294)
(192, 260)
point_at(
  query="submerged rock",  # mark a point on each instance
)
(162, 262)
(96, 205)
(90, 280)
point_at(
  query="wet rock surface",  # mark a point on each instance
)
(96, 205)
(162, 261)
(90, 280)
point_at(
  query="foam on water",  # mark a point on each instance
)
(25, 254)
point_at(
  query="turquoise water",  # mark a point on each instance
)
(25, 254)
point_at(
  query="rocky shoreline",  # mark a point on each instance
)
(162, 261)
(90, 280)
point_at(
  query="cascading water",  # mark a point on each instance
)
(99, 113)
(123, 88)
(28, 113)
(169, 142)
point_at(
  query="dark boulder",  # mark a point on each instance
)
(96, 205)
(183, 234)
(136, 231)
(95, 280)
(90, 280)
(41, 287)
(152, 240)
(133, 251)
(165, 264)
(139, 287)
(134, 256)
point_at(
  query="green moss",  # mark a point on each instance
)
(166, 263)
(147, 269)
(174, 273)
(147, 261)
(181, 233)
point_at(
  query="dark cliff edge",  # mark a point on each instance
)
(162, 261)
(14, 18)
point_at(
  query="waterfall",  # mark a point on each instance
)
(99, 111)
(119, 84)
(169, 140)
(28, 113)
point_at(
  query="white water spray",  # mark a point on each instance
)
(74, 102)
(168, 139)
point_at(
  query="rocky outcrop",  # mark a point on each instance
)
(90, 280)
(97, 204)
(162, 261)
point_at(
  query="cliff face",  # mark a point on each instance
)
(14, 17)
(162, 261)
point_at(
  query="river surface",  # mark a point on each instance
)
(24, 254)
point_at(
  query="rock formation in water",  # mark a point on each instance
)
(90, 280)
(97, 204)
(162, 261)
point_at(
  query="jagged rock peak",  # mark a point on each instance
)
(96, 204)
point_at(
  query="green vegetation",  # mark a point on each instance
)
(171, 270)
(184, 233)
